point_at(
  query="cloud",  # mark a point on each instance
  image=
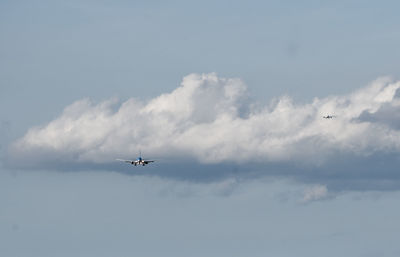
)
(314, 193)
(209, 120)
(387, 114)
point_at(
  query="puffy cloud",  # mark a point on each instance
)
(211, 120)
(314, 193)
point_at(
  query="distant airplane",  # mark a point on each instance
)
(329, 116)
(138, 161)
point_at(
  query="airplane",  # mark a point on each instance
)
(329, 116)
(138, 161)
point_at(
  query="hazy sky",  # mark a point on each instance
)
(228, 96)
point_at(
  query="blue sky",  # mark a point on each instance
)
(228, 95)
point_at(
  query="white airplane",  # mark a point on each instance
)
(329, 116)
(138, 161)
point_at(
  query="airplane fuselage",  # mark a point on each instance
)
(138, 161)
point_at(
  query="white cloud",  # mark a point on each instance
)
(211, 120)
(314, 193)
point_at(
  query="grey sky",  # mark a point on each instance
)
(102, 214)
(54, 53)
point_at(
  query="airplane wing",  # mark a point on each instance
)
(148, 161)
(128, 161)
